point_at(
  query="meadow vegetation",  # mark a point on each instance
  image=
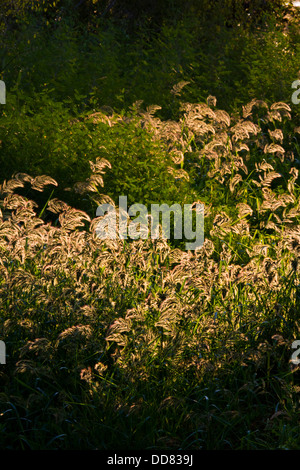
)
(139, 344)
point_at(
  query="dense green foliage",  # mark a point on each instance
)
(141, 344)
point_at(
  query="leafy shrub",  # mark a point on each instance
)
(139, 343)
(50, 140)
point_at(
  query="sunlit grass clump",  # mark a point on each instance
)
(141, 344)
